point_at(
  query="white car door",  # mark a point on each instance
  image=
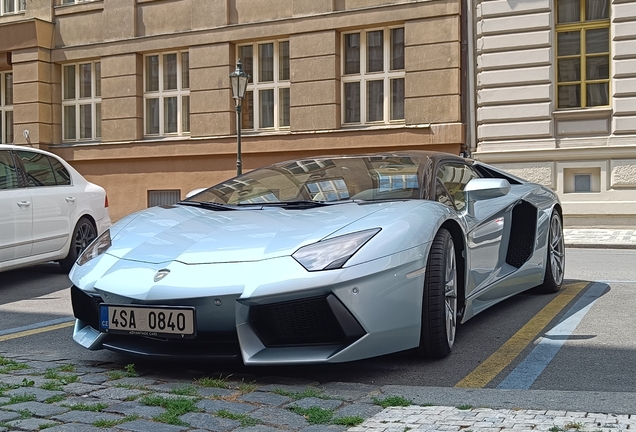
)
(16, 213)
(53, 203)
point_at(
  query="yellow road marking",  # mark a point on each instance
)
(35, 331)
(493, 365)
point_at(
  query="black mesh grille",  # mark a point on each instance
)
(85, 306)
(308, 321)
(522, 234)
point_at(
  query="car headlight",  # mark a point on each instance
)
(96, 248)
(333, 253)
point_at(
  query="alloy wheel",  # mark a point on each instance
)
(84, 235)
(450, 295)
(557, 249)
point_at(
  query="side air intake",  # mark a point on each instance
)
(522, 234)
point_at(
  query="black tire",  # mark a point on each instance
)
(83, 234)
(439, 304)
(555, 261)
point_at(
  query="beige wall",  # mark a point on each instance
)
(118, 33)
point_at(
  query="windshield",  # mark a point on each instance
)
(324, 180)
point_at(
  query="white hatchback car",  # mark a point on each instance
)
(48, 211)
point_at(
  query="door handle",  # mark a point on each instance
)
(24, 203)
(70, 199)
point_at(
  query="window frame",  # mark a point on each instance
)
(387, 75)
(583, 26)
(78, 101)
(19, 6)
(161, 94)
(5, 108)
(251, 105)
(72, 2)
(44, 162)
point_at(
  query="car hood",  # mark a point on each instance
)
(194, 235)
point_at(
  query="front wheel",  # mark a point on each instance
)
(439, 305)
(555, 262)
(83, 234)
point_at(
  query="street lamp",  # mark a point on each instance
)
(239, 80)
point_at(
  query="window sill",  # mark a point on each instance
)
(344, 128)
(12, 14)
(75, 8)
(582, 113)
(159, 138)
(384, 126)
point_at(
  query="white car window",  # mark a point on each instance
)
(62, 176)
(38, 169)
(8, 174)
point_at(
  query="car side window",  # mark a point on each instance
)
(8, 174)
(38, 169)
(455, 176)
(62, 176)
(441, 195)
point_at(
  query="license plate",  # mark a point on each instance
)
(176, 322)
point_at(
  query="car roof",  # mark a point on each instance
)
(24, 147)
(434, 156)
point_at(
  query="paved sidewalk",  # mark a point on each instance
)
(600, 238)
(443, 418)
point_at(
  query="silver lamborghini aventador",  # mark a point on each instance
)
(327, 259)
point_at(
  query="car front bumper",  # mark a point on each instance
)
(269, 312)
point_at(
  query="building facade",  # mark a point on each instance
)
(136, 93)
(552, 89)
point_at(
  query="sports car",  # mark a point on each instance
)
(320, 260)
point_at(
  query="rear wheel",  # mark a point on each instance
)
(439, 305)
(83, 234)
(555, 263)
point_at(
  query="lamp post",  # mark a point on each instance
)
(239, 79)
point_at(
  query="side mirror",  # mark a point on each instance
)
(486, 188)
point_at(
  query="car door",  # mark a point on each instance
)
(16, 212)
(486, 224)
(53, 203)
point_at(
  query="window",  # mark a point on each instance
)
(373, 76)
(328, 190)
(455, 177)
(583, 45)
(167, 94)
(82, 101)
(8, 7)
(163, 197)
(6, 107)
(441, 195)
(266, 104)
(43, 170)
(582, 183)
(8, 174)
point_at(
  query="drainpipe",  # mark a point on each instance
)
(471, 93)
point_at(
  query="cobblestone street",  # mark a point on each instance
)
(57, 395)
